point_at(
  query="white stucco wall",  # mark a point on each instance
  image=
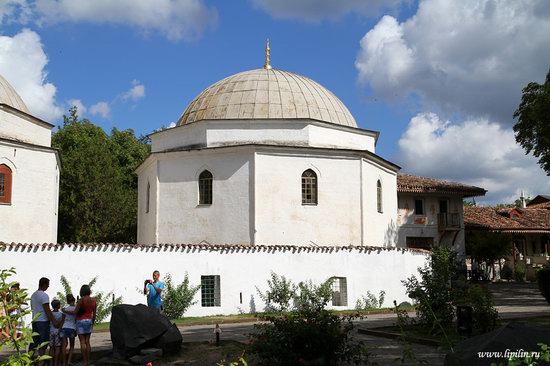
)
(178, 217)
(426, 225)
(32, 215)
(24, 128)
(123, 270)
(280, 132)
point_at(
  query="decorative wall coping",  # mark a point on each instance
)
(222, 248)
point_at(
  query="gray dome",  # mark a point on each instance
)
(267, 94)
(9, 96)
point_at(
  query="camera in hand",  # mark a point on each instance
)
(148, 281)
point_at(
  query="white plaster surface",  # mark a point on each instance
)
(123, 270)
(32, 215)
(24, 129)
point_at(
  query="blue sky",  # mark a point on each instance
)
(439, 79)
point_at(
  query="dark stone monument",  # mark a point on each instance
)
(136, 329)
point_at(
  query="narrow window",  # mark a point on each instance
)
(210, 291)
(419, 207)
(426, 243)
(309, 187)
(379, 196)
(339, 291)
(5, 184)
(147, 197)
(205, 188)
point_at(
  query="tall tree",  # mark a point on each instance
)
(98, 188)
(533, 126)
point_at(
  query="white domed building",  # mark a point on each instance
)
(29, 173)
(267, 157)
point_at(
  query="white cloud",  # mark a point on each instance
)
(472, 56)
(316, 10)
(475, 152)
(14, 10)
(174, 19)
(172, 125)
(102, 109)
(135, 93)
(22, 63)
(81, 108)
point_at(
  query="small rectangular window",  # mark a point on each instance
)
(419, 206)
(420, 242)
(339, 291)
(210, 291)
(443, 206)
(147, 197)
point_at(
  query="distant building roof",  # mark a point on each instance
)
(540, 199)
(414, 184)
(534, 220)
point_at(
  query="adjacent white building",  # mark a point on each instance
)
(29, 173)
(267, 157)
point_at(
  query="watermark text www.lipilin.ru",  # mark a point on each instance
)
(507, 354)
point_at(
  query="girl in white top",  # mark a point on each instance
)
(68, 332)
(55, 325)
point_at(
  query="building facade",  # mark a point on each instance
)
(29, 173)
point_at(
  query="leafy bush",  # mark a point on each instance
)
(484, 314)
(506, 272)
(309, 334)
(105, 302)
(543, 280)
(520, 272)
(280, 294)
(370, 301)
(432, 292)
(13, 301)
(177, 299)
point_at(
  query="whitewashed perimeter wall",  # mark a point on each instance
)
(123, 268)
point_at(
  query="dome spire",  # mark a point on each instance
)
(267, 64)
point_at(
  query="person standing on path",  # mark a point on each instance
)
(85, 311)
(41, 312)
(153, 290)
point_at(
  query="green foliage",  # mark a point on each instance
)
(177, 299)
(240, 362)
(279, 295)
(370, 301)
(543, 280)
(105, 301)
(13, 302)
(485, 246)
(484, 313)
(520, 272)
(309, 334)
(533, 126)
(432, 292)
(98, 187)
(506, 272)
(543, 358)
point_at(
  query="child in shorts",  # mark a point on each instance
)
(68, 332)
(55, 341)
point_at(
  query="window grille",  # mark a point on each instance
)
(339, 291)
(2, 179)
(379, 196)
(210, 291)
(205, 188)
(309, 187)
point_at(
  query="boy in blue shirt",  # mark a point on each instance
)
(153, 289)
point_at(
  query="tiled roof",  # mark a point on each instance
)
(227, 248)
(9, 96)
(545, 205)
(414, 184)
(507, 219)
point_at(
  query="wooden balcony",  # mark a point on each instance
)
(448, 221)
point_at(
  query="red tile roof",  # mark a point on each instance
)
(507, 219)
(414, 184)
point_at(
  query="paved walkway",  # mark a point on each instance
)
(512, 301)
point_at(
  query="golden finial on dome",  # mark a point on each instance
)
(267, 64)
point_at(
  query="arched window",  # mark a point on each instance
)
(205, 188)
(309, 187)
(147, 197)
(5, 184)
(379, 196)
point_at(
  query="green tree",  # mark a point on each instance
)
(533, 126)
(98, 187)
(489, 247)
